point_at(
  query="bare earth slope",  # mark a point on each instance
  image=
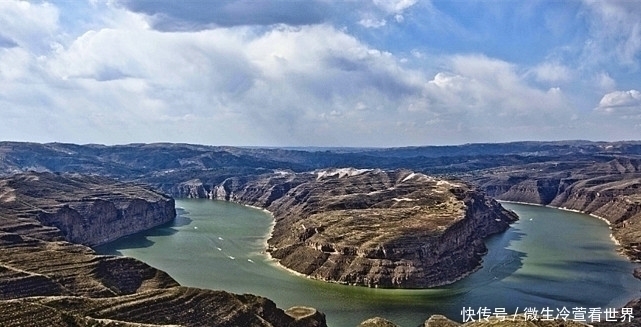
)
(601, 178)
(371, 227)
(46, 280)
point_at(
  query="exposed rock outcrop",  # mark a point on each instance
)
(440, 321)
(580, 175)
(88, 210)
(377, 322)
(46, 280)
(371, 227)
(610, 190)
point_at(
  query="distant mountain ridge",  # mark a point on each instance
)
(142, 160)
(602, 178)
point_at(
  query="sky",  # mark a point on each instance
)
(356, 73)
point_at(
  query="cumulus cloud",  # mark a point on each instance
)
(271, 86)
(288, 85)
(618, 115)
(492, 88)
(265, 81)
(617, 101)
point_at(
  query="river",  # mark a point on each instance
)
(548, 259)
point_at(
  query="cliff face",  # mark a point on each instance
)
(371, 227)
(88, 210)
(98, 221)
(46, 280)
(610, 190)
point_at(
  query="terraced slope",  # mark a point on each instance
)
(372, 227)
(46, 280)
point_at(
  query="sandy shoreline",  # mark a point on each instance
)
(268, 254)
(277, 263)
(573, 210)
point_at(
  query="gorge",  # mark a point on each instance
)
(371, 227)
(48, 277)
(519, 270)
(594, 177)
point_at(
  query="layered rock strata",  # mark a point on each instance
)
(610, 190)
(89, 210)
(372, 227)
(46, 280)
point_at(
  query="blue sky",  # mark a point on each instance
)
(319, 72)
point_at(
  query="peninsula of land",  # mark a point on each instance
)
(599, 178)
(371, 227)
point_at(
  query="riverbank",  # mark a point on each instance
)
(347, 226)
(511, 274)
(621, 249)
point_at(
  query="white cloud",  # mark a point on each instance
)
(372, 22)
(272, 85)
(605, 82)
(618, 115)
(488, 98)
(552, 72)
(394, 6)
(29, 25)
(621, 101)
(615, 32)
(122, 81)
(384, 10)
(287, 85)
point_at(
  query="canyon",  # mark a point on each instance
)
(599, 178)
(49, 276)
(371, 227)
(610, 190)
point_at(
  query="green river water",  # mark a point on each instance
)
(549, 258)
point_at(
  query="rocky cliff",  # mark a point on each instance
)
(372, 227)
(610, 190)
(88, 210)
(46, 280)
(596, 177)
